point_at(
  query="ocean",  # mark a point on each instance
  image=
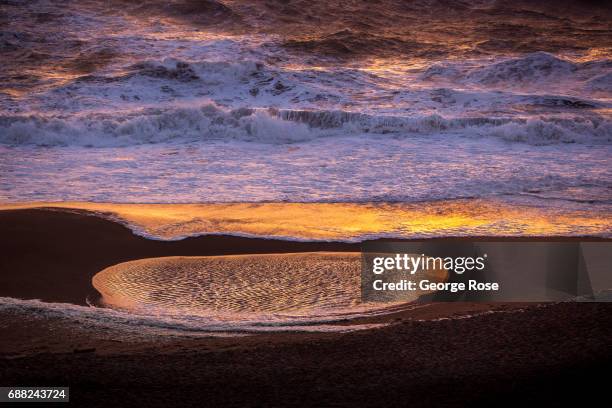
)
(301, 120)
(239, 101)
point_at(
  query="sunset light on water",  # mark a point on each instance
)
(344, 221)
(305, 203)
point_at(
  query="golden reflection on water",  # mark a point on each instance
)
(234, 284)
(347, 221)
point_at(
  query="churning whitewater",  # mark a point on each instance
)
(207, 101)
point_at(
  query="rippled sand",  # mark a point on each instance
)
(237, 284)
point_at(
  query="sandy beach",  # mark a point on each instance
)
(442, 354)
(540, 356)
(287, 203)
(83, 244)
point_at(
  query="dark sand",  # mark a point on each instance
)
(52, 255)
(549, 355)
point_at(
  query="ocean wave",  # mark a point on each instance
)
(534, 69)
(540, 132)
(168, 81)
(220, 72)
(208, 13)
(350, 43)
(601, 83)
(211, 122)
(208, 122)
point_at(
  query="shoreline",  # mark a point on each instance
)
(342, 221)
(71, 247)
(442, 354)
(52, 254)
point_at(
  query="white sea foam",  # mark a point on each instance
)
(363, 168)
(152, 125)
(533, 71)
(211, 122)
(138, 325)
(165, 108)
(538, 67)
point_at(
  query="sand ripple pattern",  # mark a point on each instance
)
(236, 284)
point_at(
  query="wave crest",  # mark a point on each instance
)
(150, 126)
(538, 68)
(533, 67)
(211, 122)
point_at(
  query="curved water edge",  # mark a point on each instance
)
(262, 290)
(410, 120)
(130, 325)
(349, 222)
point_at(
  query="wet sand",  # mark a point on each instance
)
(51, 254)
(554, 354)
(54, 254)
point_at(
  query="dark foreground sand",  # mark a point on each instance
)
(547, 355)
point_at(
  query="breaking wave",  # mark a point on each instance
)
(211, 122)
(539, 66)
(150, 126)
(534, 69)
(383, 101)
